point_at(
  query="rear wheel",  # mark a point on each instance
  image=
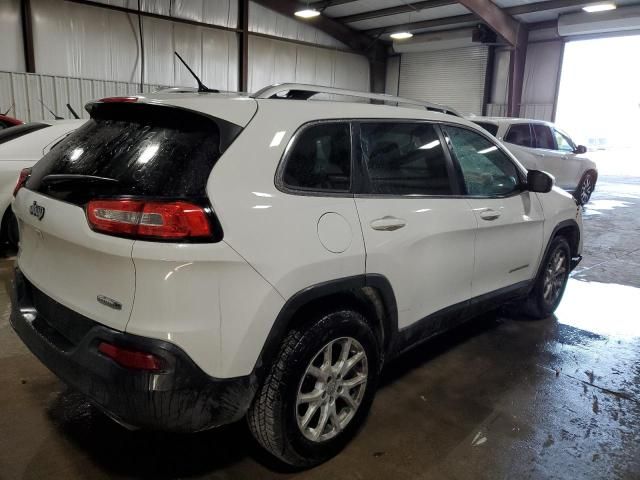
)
(319, 390)
(585, 188)
(551, 282)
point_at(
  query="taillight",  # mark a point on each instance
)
(139, 219)
(22, 179)
(130, 358)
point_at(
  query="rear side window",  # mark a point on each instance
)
(519, 134)
(492, 128)
(404, 158)
(544, 137)
(487, 171)
(139, 150)
(11, 133)
(320, 159)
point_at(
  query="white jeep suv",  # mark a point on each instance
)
(188, 259)
(541, 145)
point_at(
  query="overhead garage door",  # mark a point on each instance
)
(453, 77)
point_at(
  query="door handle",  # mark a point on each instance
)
(387, 224)
(489, 214)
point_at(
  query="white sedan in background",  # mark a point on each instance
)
(541, 145)
(21, 147)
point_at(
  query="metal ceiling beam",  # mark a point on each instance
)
(497, 19)
(385, 12)
(356, 40)
(517, 10)
(436, 22)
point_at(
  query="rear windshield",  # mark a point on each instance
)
(134, 149)
(18, 131)
(492, 128)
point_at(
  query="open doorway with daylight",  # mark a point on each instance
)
(599, 101)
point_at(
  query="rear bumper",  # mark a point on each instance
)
(179, 398)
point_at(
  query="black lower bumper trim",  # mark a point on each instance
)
(179, 398)
(575, 261)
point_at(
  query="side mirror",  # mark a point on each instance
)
(538, 181)
(580, 149)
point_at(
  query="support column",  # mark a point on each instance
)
(516, 72)
(27, 36)
(243, 45)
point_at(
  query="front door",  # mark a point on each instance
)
(510, 220)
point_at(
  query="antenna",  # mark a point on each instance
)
(73, 112)
(49, 110)
(201, 86)
(9, 109)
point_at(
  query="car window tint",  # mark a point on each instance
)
(492, 128)
(320, 159)
(563, 142)
(487, 171)
(519, 134)
(404, 158)
(544, 137)
(147, 150)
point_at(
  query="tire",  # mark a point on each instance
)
(542, 302)
(275, 415)
(10, 231)
(585, 188)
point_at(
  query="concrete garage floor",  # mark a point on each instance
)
(498, 398)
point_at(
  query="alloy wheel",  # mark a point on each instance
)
(332, 389)
(586, 189)
(554, 276)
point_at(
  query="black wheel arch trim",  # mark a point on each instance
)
(315, 292)
(563, 224)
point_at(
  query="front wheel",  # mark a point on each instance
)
(585, 188)
(551, 282)
(319, 390)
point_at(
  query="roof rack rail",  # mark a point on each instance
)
(301, 91)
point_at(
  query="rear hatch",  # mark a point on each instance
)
(85, 203)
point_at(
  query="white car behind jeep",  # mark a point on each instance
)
(190, 259)
(21, 147)
(541, 145)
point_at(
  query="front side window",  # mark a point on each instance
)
(544, 137)
(563, 142)
(519, 134)
(320, 159)
(404, 158)
(487, 171)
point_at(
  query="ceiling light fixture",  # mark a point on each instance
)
(401, 35)
(599, 7)
(307, 13)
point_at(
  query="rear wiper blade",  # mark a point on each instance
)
(56, 178)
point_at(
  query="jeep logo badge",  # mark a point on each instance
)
(36, 210)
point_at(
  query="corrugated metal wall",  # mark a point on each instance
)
(542, 66)
(275, 61)
(544, 61)
(453, 77)
(11, 49)
(103, 44)
(83, 50)
(26, 90)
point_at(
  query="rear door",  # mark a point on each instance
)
(510, 220)
(126, 152)
(417, 233)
